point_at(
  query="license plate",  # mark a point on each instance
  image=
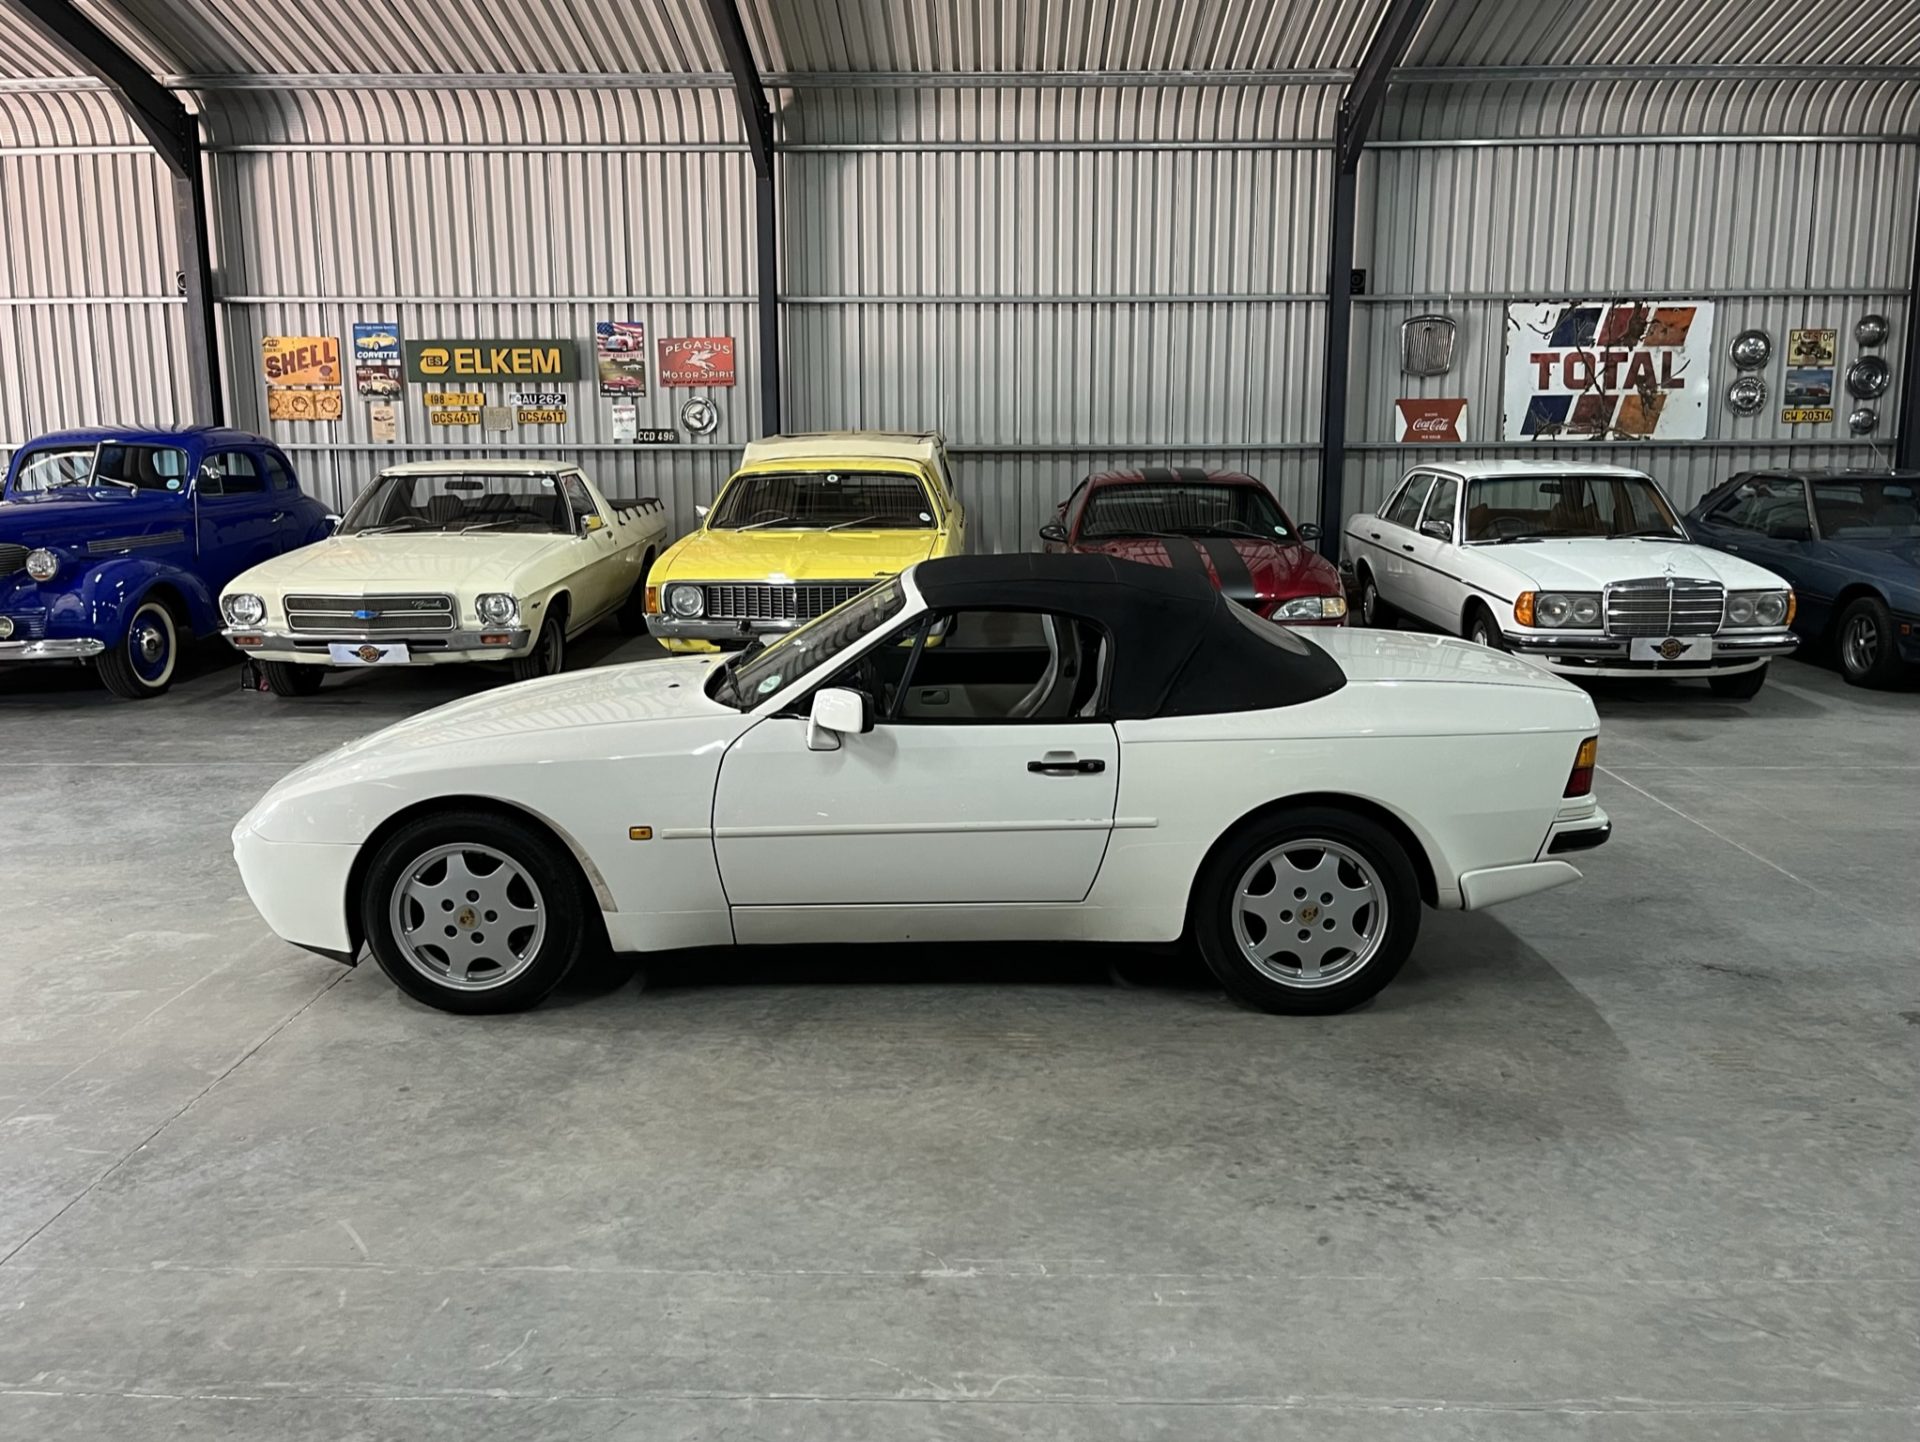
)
(366, 653)
(1671, 648)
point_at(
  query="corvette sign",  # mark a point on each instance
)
(696, 360)
(1606, 370)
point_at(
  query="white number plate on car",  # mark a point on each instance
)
(366, 653)
(1670, 648)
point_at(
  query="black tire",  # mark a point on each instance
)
(1388, 871)
(1374, 608)
(1482, 629)
(633, 611)
(1741, 686)
(285, 678)
(521, 978)
(1869, 652)
(549, 654)
(142, 665)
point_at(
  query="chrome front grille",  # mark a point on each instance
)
(12, 558)
(1665, 606)
(789, 602)
(370, 615)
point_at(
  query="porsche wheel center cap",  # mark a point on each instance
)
(1309, 914)
(467, 918)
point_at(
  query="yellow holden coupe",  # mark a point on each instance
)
(807, 522)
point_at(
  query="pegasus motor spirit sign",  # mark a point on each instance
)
(1607, 370)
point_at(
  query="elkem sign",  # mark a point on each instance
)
(435, 361)
(1608, 370)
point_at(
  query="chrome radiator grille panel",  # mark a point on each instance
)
(1665, 606)
(792, 601)
(370, 615)
(12, 558)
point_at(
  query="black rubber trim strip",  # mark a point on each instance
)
(1584, 840)
(1236, 581)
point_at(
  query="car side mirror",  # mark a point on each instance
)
(333, 522)
(1309, 531)
(1054, 533)
(701, 511)
(837, 711)
(1439, 530)
(595, 523)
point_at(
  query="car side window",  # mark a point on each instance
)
(1773, 506)
(1441, 501)
(984, 666)
(230, 473)
(578, 501)
(278, 476)
(1406, 506)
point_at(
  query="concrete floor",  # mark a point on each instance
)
(1631, 1160)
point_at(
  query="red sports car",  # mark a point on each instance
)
(1220, 522)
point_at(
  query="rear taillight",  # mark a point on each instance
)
(1580, 779)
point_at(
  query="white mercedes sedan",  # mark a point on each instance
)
(981, 749)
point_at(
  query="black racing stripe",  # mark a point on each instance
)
(1192, 475)
(1184, 555)
(1236, 581)
(1159, 475)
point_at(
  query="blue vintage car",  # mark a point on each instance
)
(114, 543)
(1848, 541)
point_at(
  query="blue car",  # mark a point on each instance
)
(114, 543)
(1848, 541)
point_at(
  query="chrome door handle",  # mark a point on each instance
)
(1405, 547)
(1054, 765)
(1374, 534)
(278, 516)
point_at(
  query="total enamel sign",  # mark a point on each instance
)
(1602, 370)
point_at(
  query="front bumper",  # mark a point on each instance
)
(63, 648)
(425, 648)
(699, 628)
(1597, 655)
(299, 889)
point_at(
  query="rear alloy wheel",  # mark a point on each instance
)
(474, 913)
(142, 664)
(1308, 912)
(1374, 610)
(1868, 653)
(285, 678)
(1742, 685)
(549, 653)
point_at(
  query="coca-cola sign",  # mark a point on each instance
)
(1428, 418)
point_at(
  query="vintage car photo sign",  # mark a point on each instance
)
(1608, 370)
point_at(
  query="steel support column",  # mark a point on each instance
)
(1359, 107)
(1906, 446)
(174, 134)
(757, 117)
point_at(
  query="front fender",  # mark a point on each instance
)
(102, 600)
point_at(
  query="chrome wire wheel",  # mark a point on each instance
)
(467, 917)
(1309, 913)
(1860, 644)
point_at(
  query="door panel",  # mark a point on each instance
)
(917, 812)
(240, 522)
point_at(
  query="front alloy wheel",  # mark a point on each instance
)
(473, 912)
(1868, 652)
(1311, 911)
(142, 664)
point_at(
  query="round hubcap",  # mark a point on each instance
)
(1369, 602)
(1309, 913)
(150, 646)
(1861, 645)
(468, 917)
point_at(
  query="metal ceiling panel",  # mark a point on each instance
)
(26, 55)
(424, 37)
(1046, 36)
(1660, 32)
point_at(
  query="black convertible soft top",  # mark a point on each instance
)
(1180, 648)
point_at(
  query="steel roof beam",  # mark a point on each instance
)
(1359, 108)
(1906, 446)
(757, 117)
(174, 134)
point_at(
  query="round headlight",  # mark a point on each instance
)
(685, 600)
(1739, 610)
(1552, 609)
(1586, 610)
(1770, 609)
(43, 565)
(497, 608)
(243, 609)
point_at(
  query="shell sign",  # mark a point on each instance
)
(303, 377)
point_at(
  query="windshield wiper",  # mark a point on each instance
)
(484, 525)
(411, 522)
(756, 525)
(1661, 533)
(856, 521)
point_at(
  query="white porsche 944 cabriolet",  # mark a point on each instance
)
(980, 749)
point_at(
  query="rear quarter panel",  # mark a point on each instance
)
(1475, 777)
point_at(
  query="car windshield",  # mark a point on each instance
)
(1867, 509)
(52, 470)
(754, 675)
(460, 503)
(1187, 508)
(112, 466)
(823, 501)
(1532, 508)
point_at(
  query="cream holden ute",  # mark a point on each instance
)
(450, 561)
(808, 521)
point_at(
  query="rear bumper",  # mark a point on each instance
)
(74, 648)
(1494, 884)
